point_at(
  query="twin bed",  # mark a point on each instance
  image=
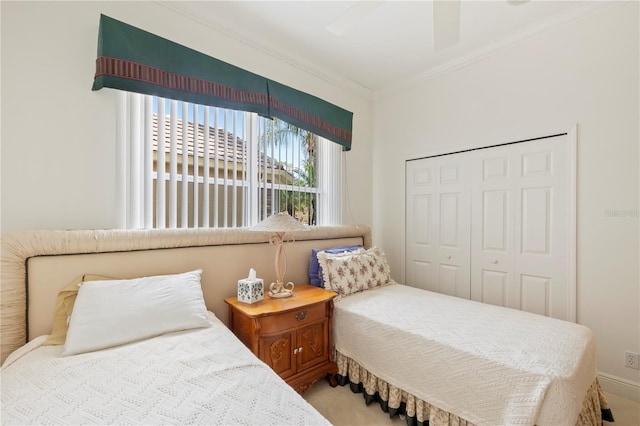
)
(451, 361)
(409, 349)
(447, 361)
(203, 375)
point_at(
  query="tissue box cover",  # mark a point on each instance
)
(250, 291)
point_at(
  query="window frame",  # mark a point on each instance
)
(137, 179)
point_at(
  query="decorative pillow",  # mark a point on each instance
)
(350, 273)
(112, 313)
(315, 272)
(64, 306)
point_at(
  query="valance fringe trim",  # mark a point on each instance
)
(119, 68)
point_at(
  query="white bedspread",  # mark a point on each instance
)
(203, 376)
(487, 364)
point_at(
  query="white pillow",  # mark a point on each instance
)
(115, 312)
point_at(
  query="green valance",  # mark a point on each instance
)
(135, 60)
(310, 113)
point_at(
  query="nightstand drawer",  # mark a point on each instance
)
(293, 319)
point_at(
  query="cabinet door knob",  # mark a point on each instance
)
(295, 351)
(300, 349)
(495, 262)
(301, 315)
(449, 257)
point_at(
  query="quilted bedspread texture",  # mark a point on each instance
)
(203, 376)
(487, 364)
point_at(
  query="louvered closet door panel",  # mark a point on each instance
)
(421, 245)
(492, 235)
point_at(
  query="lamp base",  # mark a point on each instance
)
(279, 290)
(281, 295)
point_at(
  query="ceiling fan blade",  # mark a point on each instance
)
(352, 16)
(446, 23)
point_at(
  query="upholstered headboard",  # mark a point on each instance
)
(36, 265)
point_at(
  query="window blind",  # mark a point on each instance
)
(188, 165)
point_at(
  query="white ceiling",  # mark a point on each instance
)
(393, 41)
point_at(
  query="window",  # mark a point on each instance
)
(189, 166)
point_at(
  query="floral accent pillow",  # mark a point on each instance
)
(352, 272)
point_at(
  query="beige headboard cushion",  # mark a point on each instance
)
(36, 265)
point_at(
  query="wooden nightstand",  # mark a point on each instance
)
(293, 335)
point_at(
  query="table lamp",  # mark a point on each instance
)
(279, 224)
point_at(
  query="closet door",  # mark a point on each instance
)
(496, 225)
(421, 225)
(520, 228)
(438, 225)
(454, 227)
(543, 262)
(492, 226)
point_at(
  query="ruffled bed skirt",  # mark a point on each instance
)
(396, 401)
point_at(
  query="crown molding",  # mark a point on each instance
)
(279, 54)
(367, 94)
(524, 36)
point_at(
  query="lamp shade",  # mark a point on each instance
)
(279, 223)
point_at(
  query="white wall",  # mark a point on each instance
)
(58, 137)
(585, 73)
